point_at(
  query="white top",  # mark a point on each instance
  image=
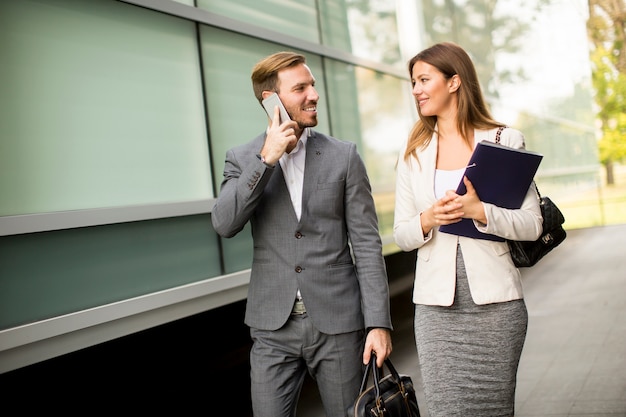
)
(447, 180)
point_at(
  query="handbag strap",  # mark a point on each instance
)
(380, 402)
(378, 408)
(498, 133)
(366, 376)
(377, 373)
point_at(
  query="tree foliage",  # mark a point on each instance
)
(606, 30)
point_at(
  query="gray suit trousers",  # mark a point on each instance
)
(281, 358)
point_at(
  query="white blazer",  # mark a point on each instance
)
(491, 274)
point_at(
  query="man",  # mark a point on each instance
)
(318, 280)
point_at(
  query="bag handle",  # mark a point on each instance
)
(377, 373)
(499, 132)
(377, 376)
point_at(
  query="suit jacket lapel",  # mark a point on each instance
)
(312, 169)
(277, 185)
(285, 196)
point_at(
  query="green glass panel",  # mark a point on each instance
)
(101, 106)
(44, 275)
(368, 29)
(334, 23)
(297, 18)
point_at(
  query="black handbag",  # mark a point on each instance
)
(391, 396)
(528, 253)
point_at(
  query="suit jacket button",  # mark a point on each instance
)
(298, 235)
(298, 269)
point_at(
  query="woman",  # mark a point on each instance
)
(470, 316)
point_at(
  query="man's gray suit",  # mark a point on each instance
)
(314, 254)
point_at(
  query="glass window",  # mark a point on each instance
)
(368, 29)
(49, 274)
(296, 18)
(101, 106)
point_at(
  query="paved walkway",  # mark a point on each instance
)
(574, 358)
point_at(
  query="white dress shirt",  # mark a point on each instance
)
(293, 170)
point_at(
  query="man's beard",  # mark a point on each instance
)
(308, 123)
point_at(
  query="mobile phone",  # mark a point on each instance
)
(270, 103)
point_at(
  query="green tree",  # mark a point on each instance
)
(606, 29)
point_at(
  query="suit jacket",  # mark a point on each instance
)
(491, 274)
(333, 254)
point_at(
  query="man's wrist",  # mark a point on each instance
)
(369, 329)
(262, 158)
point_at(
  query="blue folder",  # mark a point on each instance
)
(501, 175)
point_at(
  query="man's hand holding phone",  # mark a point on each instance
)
(272, 101)
(281, 137)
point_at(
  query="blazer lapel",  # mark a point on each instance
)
(312, 169)
(277, 187)
(284, 195)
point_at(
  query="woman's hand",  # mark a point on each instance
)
(446, 210)
(471, 204)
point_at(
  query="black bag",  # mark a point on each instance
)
(391, 396)
(528, 253)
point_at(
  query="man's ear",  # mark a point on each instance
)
(266, 93)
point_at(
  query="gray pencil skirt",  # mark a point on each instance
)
(469, 353)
